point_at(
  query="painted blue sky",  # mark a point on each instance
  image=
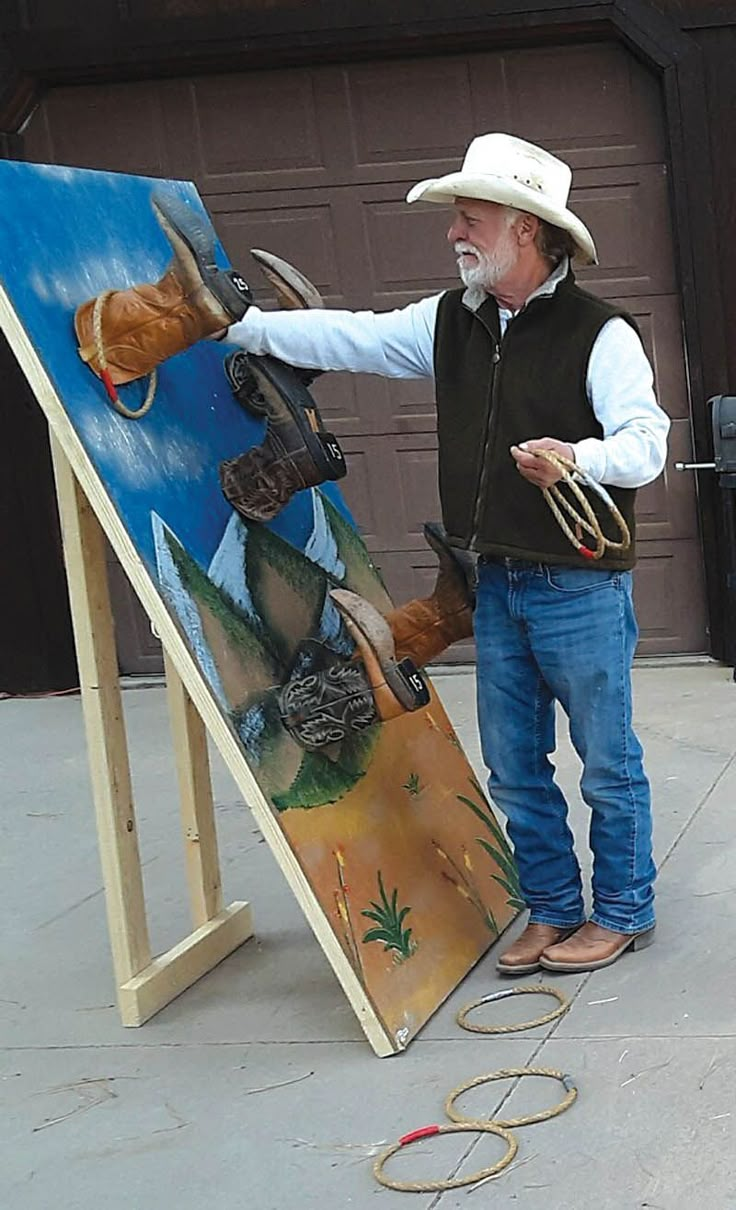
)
(66, 234)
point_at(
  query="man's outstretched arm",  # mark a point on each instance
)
(395, 344)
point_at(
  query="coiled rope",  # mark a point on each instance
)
(115, 400)
(496, 1126)
(455, 1183)
(532, 989)
(507, 1073)
(572, 476)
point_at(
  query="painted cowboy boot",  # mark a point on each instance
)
(296, 451)
(140, 327)
(397, 685)
(422, 629)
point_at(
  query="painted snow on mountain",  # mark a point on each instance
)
(177, 596)
(332, 631)
(228, 569)
(322, 547)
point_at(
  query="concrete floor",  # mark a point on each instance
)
(256, 1090)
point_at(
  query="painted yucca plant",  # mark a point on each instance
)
(412, 785)
(389, 919)
(499, 850)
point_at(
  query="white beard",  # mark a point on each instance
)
(490, 268)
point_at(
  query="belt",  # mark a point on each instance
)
(512, 564)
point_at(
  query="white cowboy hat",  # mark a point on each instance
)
(501, 168)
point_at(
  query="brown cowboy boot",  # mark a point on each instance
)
(524, 955)
(423, 629)
(396, 685)
(295, 453)
(143, 325)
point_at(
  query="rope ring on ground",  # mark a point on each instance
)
(115, 400)
(543, 1115)
(533, 989)
(457, 1182)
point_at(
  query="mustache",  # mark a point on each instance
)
(462, 245)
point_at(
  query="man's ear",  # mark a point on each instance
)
(527, 226)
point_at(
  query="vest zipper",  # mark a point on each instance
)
(495, 358)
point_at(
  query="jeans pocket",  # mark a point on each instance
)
(580, 579)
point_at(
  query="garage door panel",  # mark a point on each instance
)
(412, 406)
(388, 125)
(417, 468)
(402, 490)
(362, 493)
(117, 129)
(407, 246)
(667, 579)
(350, 404)
(665, 509)
(265, 143)
(301, 234)
(627, 209)
(596, 110)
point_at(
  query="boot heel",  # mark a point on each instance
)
(643, 940)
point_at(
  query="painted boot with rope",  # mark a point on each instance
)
(397, 685)
(296, 451)
(424, 628)
(124, 334)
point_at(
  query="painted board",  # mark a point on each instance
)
(386, 839)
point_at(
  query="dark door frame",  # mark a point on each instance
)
(111, 48)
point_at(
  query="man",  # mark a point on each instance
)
(523, 359)
(517, 355)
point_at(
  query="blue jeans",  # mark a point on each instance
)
(546, 633)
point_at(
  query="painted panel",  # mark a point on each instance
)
(385, 838)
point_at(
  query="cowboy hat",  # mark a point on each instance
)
(501, 168)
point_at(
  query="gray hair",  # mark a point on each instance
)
(551, 242)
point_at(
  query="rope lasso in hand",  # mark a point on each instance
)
(572, 476)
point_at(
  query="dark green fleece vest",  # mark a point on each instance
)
(493, 393)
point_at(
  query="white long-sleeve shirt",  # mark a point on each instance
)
(400, 344)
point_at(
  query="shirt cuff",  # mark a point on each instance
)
(590, 456)
(247, 331)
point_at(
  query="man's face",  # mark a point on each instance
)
(482, 236)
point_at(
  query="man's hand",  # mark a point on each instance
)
(538, 470)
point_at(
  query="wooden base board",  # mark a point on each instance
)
(181, 966)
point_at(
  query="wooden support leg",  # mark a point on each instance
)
(107, 747)
(144, 985)
(195, 795)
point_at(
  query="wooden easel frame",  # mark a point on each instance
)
(145, 984)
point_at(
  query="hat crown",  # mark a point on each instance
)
(505, 156)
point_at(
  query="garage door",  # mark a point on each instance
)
(314, 164)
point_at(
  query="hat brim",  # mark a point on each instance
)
(488, 188)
